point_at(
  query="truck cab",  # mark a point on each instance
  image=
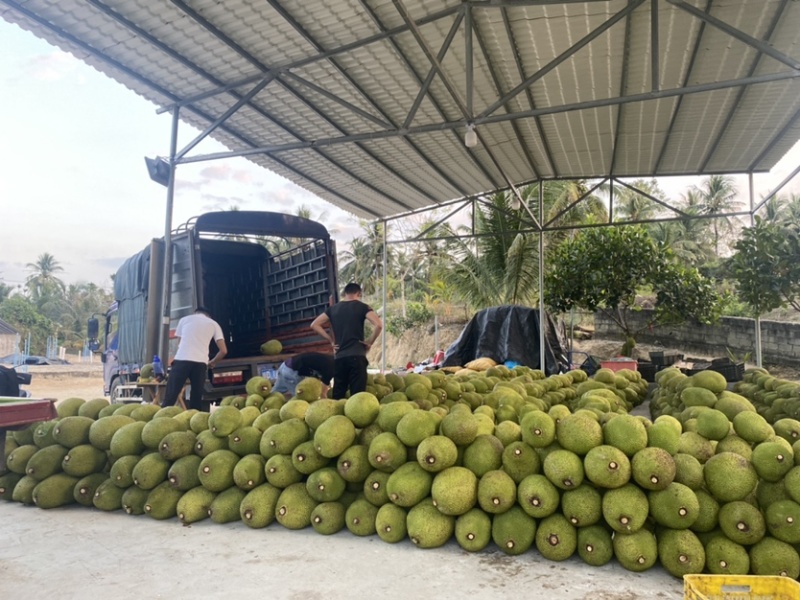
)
(262, 275)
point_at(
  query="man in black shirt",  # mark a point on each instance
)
(346, 321)
(307, 364)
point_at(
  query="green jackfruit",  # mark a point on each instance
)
(416, 426)
(387, 452)
(17, 460)
(249, 472)
(108, 496)
(360, 517)
(84, 489)
(224, 421)
(636, 551)
(774, 557)
(102, 430)
(513, 531)
(328, 518)
(724, 557)
(280, 471)
(216, 470)
(675, 507)
(595, 546)
(729, 477)
(121, 471)
(437, 453)
(134, 500)
(178, 444)
(353, 464)
(473, 530)
(69, 407)
(454, 491)
(83, 460)
(225, 507)
(427, 526)
(127, 440)
(625, 509)
(258, 506)
(375, 487)
(564, 469)
(334, 436)
(607, 467)
(519, 461)
(484, 454)
(771, 461)
(537, 496)
(409, 484)
(46, 462)
(688, 471)
(294, 507)
(182, 474)
(193, 505)
(390, 523)
(318, 412)
(43, 434)
(206, 442)
(582, 506)
(680, 552)
(150, 471)
(162, 501)
(72, 431)
(741, 522)
(556, 538)
(783, 521)
(325, 485)
(54, 491)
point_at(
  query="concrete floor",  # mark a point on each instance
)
(76, 552)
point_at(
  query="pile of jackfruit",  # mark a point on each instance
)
(499, 456)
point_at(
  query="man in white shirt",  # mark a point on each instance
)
(194, 333)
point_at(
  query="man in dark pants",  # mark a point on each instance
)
(306, 364)
(194, 332)
(346, 321)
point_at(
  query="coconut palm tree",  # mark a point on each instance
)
(718, 193)
(42, 283)
(363, 261)
(629, 205)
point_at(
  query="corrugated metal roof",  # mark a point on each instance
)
(368, 100)
(6, 329)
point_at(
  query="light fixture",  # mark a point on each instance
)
(470, 138)
(515, 204)
(158, 169)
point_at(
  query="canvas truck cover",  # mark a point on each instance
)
(509, 333)
(130, 291)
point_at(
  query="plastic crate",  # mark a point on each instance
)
(739, 587)
(665, 358)
(616, 364)
(648, 371)
(731, 372)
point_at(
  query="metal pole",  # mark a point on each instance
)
(752, 222)
(542, 318)
(166, 299)
(435, 334)
(383, 333)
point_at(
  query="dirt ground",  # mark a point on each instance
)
(66, 381)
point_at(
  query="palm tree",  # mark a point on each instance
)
(718, 193)
(633, 206)
(42, 283)
(363, 261)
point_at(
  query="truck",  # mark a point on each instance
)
(262, 275)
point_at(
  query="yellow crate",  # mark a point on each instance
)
(739, 587)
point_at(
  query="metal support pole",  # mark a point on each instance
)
(542, 318)
(383, 333)
(752, 222)
(166, 299)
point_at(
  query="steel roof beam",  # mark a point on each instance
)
(200, 20)
(738, 34)
(468, 54)
(448, 40)
(421, 235)
(792, 122)
(537, 121)
(482, 199)
(453, 125)
(452, 182)
(623, 85)
(633, 5)
(740, 94)
(651, 197)
(777, 189)
(448, 84)
(574, 203)
(679, 102)
(655, 78)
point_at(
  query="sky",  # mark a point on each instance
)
(73, 180)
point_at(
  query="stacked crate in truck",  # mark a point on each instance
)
(299, 289)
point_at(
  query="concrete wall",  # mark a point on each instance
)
(780, 340)
(7, 342)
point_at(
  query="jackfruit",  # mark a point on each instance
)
(328, 518)
(653, 468)
(182, 474)
(306, 459)
(680, 552)
(69, 407)
(556, 538)
(625, 509)
(353, 464)
(771, 461)
(409, 485)
(206, 442)
(150, 471)
(127, 440)
(564, 469)
(294, 507)
(43, 434)
(271, 347)
(783, 521)
(473, 530)
(224, 421)
(582, 506)
(154, 431)
(374, 488)
(742, 522)
(162, 501)
(537, 496)
(454, 491)
(595, 546)
(538, 429)
(390, 523)
(46, 462)
(72, 431)
(607, 466)
(194, 504)
(325, 485)
(334, 436)
(427, 526)
(675, 507)
(484, 454)
(774, 557)
(497, 492)
(688, 471)
(513, 531)
(108, 496)
(134, 500)
(102, 430)
(387, 452)
(257, 509)
(84, 489)
(54, 491)
(636, 551)
(225, 507)
(216, 470)
(415, 427)
(519, 461)
(17, 460)
(178, 444)
(280, 471)
(724, 557)
(360, 517)
(249, 472)
(729, 477)
(83, 460)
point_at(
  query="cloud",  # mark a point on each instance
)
(224, 172)
(53, 66)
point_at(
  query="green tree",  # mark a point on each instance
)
(765, 266)
(630, 205)
(42, 284)
(362, 263)
(21, 313)
(718, 194)
(603, 269)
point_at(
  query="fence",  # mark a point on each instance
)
(780, 340)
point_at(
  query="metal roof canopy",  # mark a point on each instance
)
(365, 102)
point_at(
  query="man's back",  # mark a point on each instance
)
(347, 320)
(196, 332)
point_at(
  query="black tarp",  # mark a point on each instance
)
(509, 333)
